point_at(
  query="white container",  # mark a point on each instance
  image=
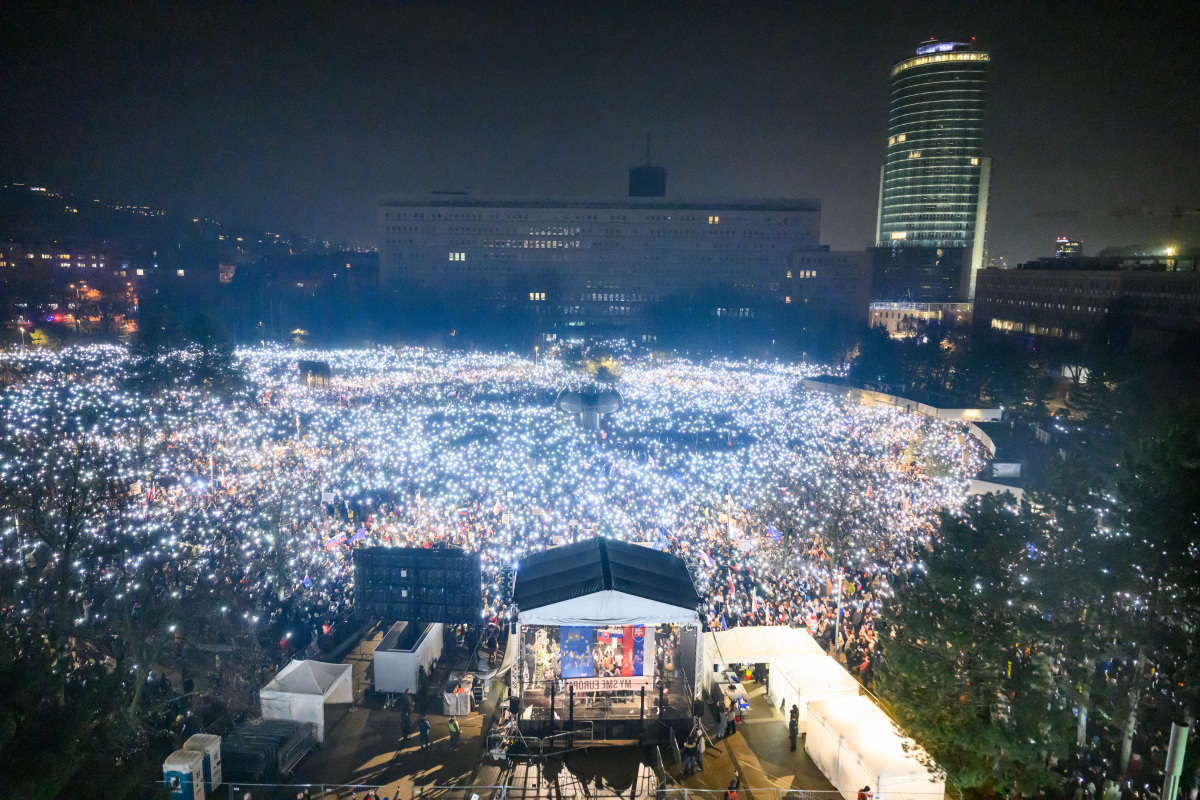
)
(402, 652)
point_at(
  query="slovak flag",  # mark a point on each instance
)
(707, 559)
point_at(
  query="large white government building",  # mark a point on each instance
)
(600, 263)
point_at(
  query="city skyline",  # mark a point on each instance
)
(306, 121)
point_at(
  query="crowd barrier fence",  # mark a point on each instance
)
(321, 791)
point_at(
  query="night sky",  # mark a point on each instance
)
(303, 117)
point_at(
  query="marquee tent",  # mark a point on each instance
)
(603, 581)
(855, 744)
(801, 679)
(754, 645)
(301, 689)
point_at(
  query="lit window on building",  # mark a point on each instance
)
(974, 162)
(179, 272)
(458, 256)
(713, 220)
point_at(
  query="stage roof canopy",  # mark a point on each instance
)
(604, 582)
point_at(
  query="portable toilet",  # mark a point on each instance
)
(210, 746)
(183, 772)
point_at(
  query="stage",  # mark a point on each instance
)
(607, 640)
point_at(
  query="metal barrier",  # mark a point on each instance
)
(317, 791)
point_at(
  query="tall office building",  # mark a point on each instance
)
(933, 187)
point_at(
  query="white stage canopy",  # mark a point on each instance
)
(855, 745)
(301, 689)
(801, 679)
(609, 608)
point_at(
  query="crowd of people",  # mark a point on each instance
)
(731, 465)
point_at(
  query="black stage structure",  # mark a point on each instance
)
(418, 584)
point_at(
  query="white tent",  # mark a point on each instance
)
(301, 689)
(855, 745)
(754, 645)
(801, 679)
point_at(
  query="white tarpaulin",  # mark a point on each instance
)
(754, 645)
(301, 689)
(855, 745)
(801, 679)
(608, 608)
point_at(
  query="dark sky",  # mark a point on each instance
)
(305, 116)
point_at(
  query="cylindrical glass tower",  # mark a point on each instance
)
(933, 191)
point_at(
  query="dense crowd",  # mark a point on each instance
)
(731, 465)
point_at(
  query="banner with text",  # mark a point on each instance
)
(619, 684)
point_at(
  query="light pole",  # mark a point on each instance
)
(837, 620)
(535, 355)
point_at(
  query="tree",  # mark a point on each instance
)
(60, 723)
(42, 340)
(62, 491)
(877, 358)
(966, 668)
(1159, 485)
(63, 715)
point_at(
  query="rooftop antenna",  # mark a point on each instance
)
(647, 180)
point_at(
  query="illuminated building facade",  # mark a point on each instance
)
(1146, 295)
(903, 320)
(601, 263)
(933, 187)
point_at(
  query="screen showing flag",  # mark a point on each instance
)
(577, 652)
